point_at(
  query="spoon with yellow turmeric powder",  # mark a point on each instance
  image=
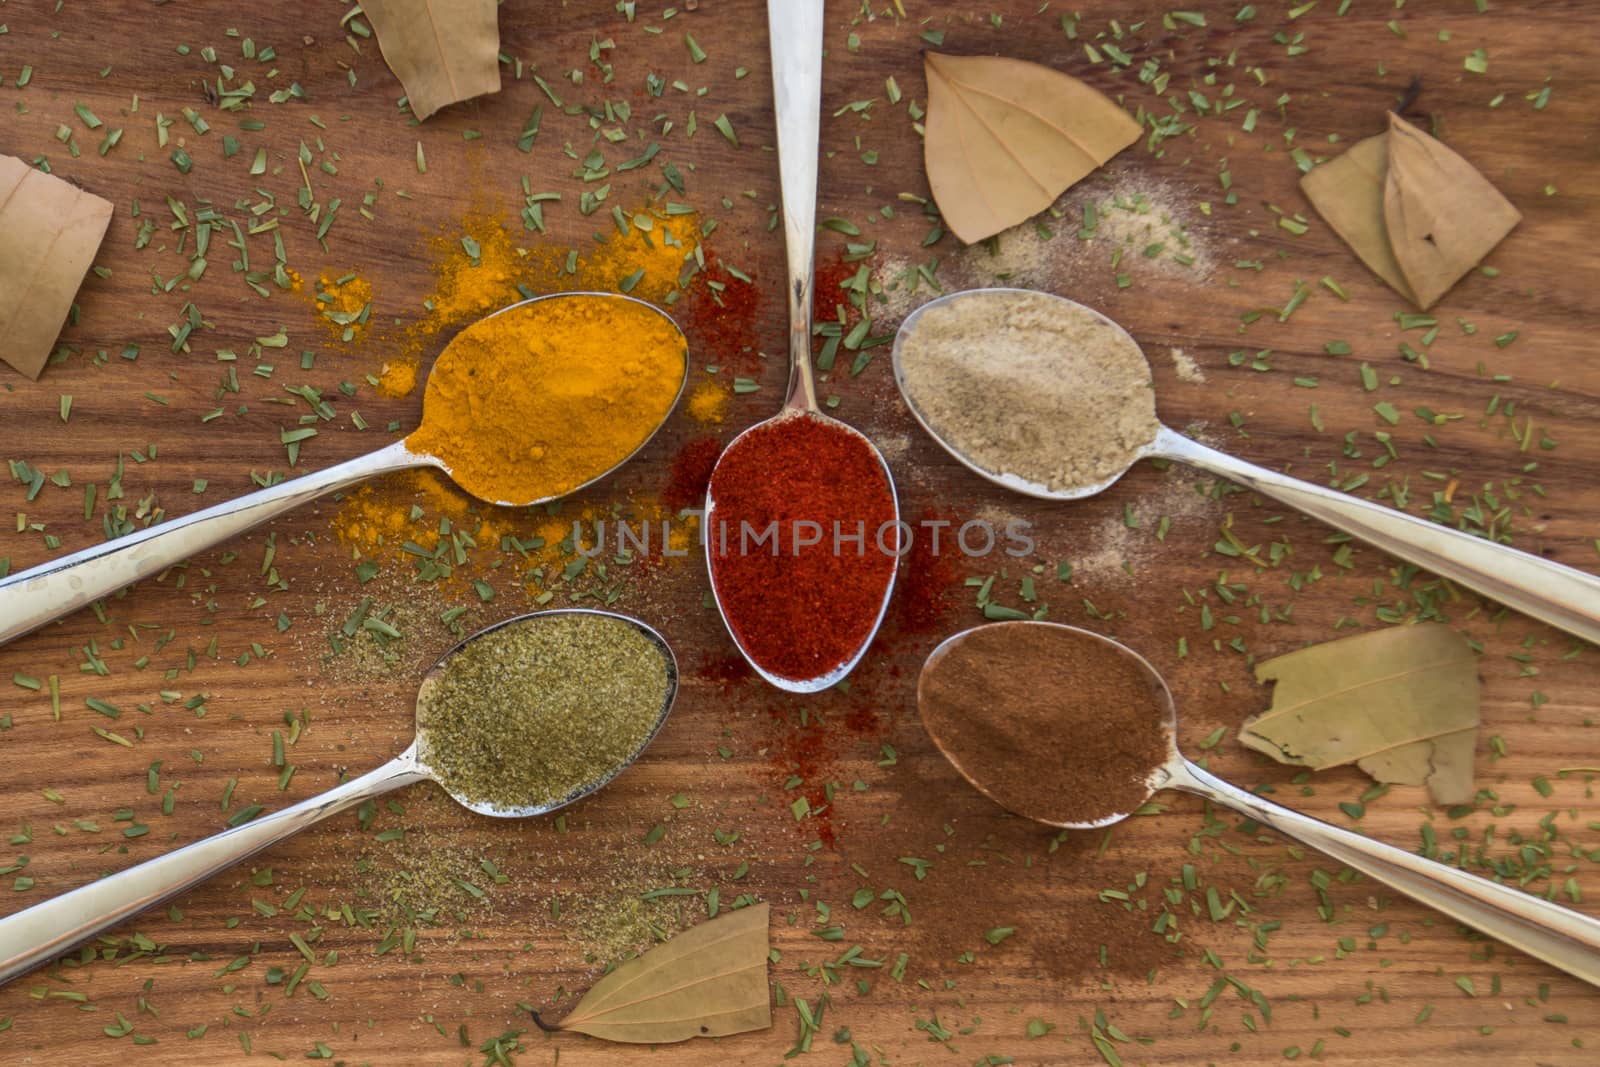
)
(526, 405)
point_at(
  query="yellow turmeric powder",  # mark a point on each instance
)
(532, 403)
(708, 403)
(345, 303)
(397, 378)
(480, 267)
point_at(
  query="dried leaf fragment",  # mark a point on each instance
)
(1348, 193)
(442, 51)
(1402, 703)
(1005, 137)
(1416, 213)
(1443, 216)
(50, 231)
(709, 981)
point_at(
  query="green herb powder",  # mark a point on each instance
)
(531, 713)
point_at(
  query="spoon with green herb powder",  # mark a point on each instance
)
(520, 719)
(1049, 398)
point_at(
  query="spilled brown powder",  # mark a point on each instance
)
(1049, 721)
(1030, 385)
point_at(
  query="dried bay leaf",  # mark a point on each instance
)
(1348, 193)
(1442, 215)
(709, 981)
(1005, 137)
(50, 231)
(443, 51)
(1401, 702)
(1416, 213)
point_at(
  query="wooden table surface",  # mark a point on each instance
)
(1372, 978)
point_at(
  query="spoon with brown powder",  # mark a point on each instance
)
(1046, 397)
(508, 413)
(521, 718)
(1072, 729)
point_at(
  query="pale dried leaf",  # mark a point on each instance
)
(1004, 138)
(1348, 193)
(1442, 215)
(1366, 698)
(441, 50)
(50, 231)
(1450, 780)
(709, 981)
(1443, 764)
(1406, 764)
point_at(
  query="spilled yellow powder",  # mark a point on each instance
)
(390, 520)
(646, 260)
(398, 378)
(378, 519)
(708, 403)
(344, 302)
(480, 267)
(475, 272)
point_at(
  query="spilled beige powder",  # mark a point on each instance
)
(1188, 370)
(1058, 253)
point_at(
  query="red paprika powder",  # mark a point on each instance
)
(722, 319)
(802, 543)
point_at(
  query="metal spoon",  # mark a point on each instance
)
(1561, 937)
(1559, 595)
(795, 28)
(42, 594)
(43, 932)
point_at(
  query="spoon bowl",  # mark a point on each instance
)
(1564, 938)
(31, 598)
(1005, 479)
(523, 811)
(44, 931)
(1562, 596)
(619, 299)
(835, 675)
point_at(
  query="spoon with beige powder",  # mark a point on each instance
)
(1069, 728)
(1049, 398)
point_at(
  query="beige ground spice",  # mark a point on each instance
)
(1030, 385)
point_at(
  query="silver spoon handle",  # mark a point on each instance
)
(1561, 937)
(795, 27)
(42, 594)
(1551, 592)
(43, 932)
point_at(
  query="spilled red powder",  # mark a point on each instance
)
(926, 596)
(722, 320)
(820, 748)
(691, 470)
(829, 291)
(806, 752)
(725, 671)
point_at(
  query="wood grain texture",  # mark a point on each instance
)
(731, 746)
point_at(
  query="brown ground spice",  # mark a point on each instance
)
(1048, 721)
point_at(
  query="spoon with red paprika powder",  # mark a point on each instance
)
(802, 526)
(1072, 729)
